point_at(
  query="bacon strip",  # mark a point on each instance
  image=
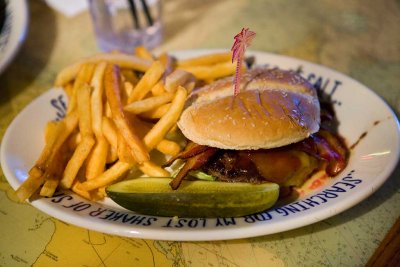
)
(192, 149)
(192, 163)
(334, 151)
(327, 147)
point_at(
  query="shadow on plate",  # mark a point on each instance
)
(34, 52)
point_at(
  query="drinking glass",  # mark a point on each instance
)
(124, 24)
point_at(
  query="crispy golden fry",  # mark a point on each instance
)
(209, 59)
(153, 170)
(60, 148)
(84, 147)
(127, 89)
(107, 111)
(54, 143)
(54, 171)
(35, 171)
(36, 174)
(101, 192)
(124, 61)
(77, 189)
(168, 147)
(157, 112)
(141, 126)
(110, 132)
(71, 123)
(51, 179)
(97, 159)
(30, 185)
(74, 139)
(68, 89)
(161, 128)
(123, 151)
(112, 174)
(50, 129)
(85, 118)
(149, 79)
(93, 195)
(212, 72)
(96, 99)
(84, 75)
(149, 103)
(130, 76)
(112, 155)
(158, 89)
(165, 146)
(167, 61)
(176, 78)
(113, 93)
(49, 187)
(75, 163)
(142, 52)
(52, 132)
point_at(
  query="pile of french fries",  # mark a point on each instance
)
(120, 108)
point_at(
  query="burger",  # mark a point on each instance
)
(275, 129)
(252, 148)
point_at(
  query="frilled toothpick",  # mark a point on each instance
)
(242, 41)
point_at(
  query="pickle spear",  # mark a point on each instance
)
(154, 196)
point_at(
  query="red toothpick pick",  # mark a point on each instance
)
(242, 41)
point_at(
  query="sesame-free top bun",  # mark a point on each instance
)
(274, 108)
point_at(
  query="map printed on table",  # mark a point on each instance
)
(52, 242)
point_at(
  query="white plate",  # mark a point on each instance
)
(359, 111)
(14, 31)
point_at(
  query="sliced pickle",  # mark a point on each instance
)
(154, 196)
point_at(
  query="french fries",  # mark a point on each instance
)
(113, 92)
(176, 78)
(168, 147)
(149, 79)
(85, 118)
(212, 72)
(161, 128)
(142, 52)
(121, 107)
(156, 113)
(153, 170)
(149, 103)
(124, 61)
(83, 77)
(97, 159)
(37, 173)
(110, 132)
(97, 103)
(158, 89)
(123, 152)
(110, 175)
(54, 170)
(76, 161)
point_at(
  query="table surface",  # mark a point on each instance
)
(359, 38)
